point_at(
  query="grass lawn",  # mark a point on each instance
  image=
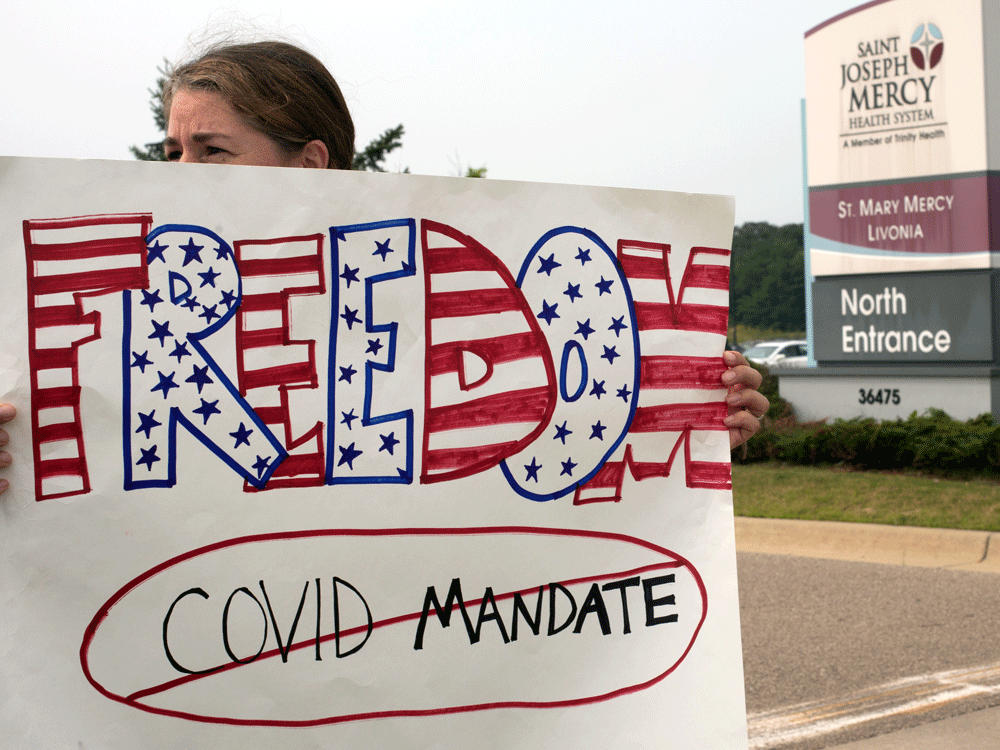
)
(774, 490)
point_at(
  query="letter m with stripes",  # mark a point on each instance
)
(681, 399)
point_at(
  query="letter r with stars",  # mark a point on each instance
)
(169, 378)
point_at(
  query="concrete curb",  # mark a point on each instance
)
(862, 542)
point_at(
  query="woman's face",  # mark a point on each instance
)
(203, 128)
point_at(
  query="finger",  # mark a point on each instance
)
(742, 375)
(732, 359)
(742, 426)
(4, 484)
(7, 413)
(5, 458)
(4, 437)
(753, 401)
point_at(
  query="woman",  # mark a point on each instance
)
(272, 104)
(268, 104)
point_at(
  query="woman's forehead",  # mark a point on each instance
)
(200, 109)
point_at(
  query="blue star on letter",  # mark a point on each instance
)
(147, 423)
(161, 331)
(383, 249)
(156, 253)
(373, 346)
(597, 430)
(548, 265)
(180, 351)
(261, 465)
(200, 377)
(208, 278)
(165, 384)
(573, 292)
(209, 313)
(149, 458)
(597, 390)
(388, 442)
(350, 274)
(347, 455)
(348, 418)
(350, 317)
(624, 393)
(617, 325)
(568, 467)
(190, 303)
(141, 360)
(583, 256)
(151, 299)
(207, 409)
(221, 252)
(548, 312)
(532, 470)
(228, 299)
(346, 373)
(584, 329)
(242, 435)
(604, 286)
(610, 354)
(561, 433)
(191, 252)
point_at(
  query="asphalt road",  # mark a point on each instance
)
(867, 648)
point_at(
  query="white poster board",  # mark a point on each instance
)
(324, 459)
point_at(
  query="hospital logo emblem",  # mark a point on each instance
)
(926, 46)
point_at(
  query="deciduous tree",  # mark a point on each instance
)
(767, 280)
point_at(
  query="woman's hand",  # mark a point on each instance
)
(7, 413)
(746, 405)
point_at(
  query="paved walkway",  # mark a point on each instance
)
(862, 542)
(895, 545)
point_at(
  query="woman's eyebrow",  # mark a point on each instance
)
(197, 137)
(200, 137)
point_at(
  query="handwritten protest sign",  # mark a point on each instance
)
(318, 459)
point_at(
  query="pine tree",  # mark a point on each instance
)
(154, 151)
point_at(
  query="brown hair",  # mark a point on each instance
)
(280, 90)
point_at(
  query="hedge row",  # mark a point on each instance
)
(931, 442)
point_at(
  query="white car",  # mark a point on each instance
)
(779, 353)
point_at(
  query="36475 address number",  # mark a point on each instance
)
(878, 396)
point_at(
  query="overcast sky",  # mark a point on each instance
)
(664, 95)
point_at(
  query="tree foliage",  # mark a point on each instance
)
(466, 170)
(372, 157)
(767, 278)
(154, 151)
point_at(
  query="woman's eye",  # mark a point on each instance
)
(214, 150)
